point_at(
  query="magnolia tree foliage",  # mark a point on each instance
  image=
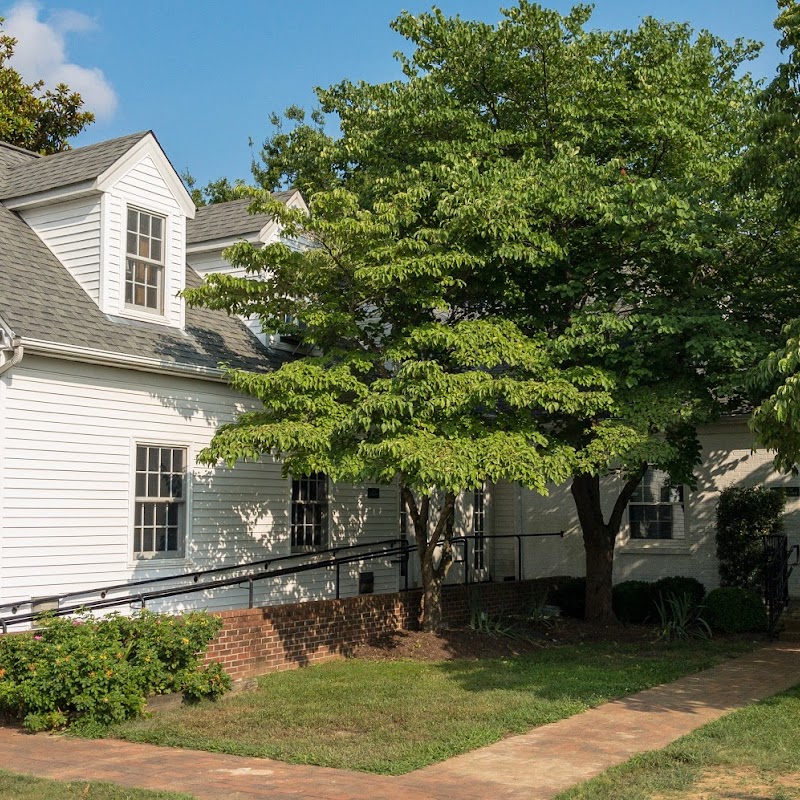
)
(37, 120)
(529, 265)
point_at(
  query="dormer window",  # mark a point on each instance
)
(144, 271)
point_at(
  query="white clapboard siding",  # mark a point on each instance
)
(143, 187)
(505, 514)
(72, 231)
(67, 448)
(212, 261)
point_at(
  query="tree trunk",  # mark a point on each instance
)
(431, 616)
(599, 538)
(599, 545)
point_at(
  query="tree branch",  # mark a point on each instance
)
(621, 503)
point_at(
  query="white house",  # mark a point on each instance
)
(110, 386)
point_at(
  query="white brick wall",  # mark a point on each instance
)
(728, 460)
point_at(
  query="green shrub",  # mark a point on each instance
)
(731, 609)
(678, 586)
(570, 596)
(632, 601)
(92, 673)
(744, 515)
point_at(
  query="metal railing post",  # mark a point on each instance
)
(250, 591)
(466, 560)
(519, 557)
(338, 578)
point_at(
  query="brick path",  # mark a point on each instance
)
(534, 766)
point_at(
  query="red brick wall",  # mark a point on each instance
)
(261, 640)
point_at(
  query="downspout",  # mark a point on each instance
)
(16, 356)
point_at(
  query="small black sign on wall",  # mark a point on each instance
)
(366, 582)
(786, 491)
(373, 492)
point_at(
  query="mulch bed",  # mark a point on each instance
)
(470, 644)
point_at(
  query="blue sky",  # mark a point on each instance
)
(206, 75)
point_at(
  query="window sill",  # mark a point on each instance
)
(156, 317)
(655, 546)
(151, 563)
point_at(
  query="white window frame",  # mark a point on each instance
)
(325, 525)
(675, 498)
(404, 524)
(282, 341)
(155, 558)
(479, 529)
(161, 265)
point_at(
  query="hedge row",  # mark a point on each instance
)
(727, 609)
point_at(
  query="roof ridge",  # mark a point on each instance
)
(19, 149)
(68, 167)
(103, 143)
(226, 203)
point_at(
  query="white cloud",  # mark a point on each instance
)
(40, 53)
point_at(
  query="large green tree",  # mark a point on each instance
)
(772, 170)
(572, 189)
(33, 118)
(394, 380)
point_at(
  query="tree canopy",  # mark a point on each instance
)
(529, 264)
(37, 120)
(218, 191)
(773, 169)
(393, 383)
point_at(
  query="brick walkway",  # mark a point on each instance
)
(534, 766)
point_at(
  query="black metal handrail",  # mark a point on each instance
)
(195, 575)
(259, 570)
(777, 570)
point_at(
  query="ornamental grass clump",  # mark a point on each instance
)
(679, 618)
(86, 674)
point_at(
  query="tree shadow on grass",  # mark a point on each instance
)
(592, 674)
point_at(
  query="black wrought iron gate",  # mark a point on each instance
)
(779, 560)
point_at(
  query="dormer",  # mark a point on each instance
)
(114, 214)
(218, 226)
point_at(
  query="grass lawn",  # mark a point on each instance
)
(393, 717)
(752, 753)
(24, 787)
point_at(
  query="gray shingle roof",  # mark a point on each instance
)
(11, 156)
(64, 169)
(227, 220)
(39, 299)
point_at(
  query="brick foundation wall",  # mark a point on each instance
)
(261, 640)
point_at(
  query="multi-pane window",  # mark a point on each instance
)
(403, 516)
(479, 528)
(144, 270)
(310, 511)
(159, 517)
(656, 509)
